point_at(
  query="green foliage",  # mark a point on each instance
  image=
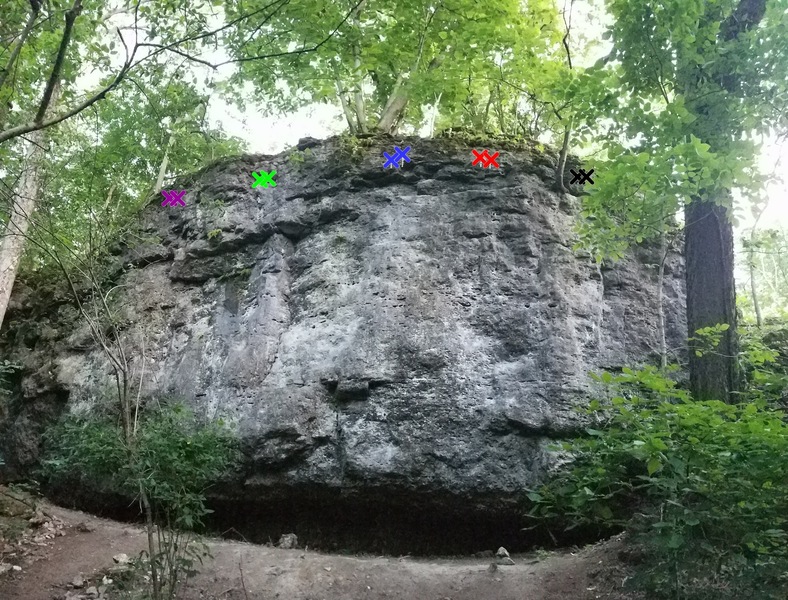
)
(297, 157)
(173, 458)
(702, 485)
(465, 58)
(764, 363)
(707, 339)
(675, 113)
(214, 235)
(351, 147)
(213, 205)
(114, 156)
(103, 164)
(766, 254)
(177, 458)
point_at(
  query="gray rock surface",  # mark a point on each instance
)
(365, 330)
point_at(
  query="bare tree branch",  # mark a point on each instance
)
(561, 166)
(19, 130)
(28, 127)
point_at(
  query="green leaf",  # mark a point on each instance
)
(675, 541)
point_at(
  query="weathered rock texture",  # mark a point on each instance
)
(371, 332)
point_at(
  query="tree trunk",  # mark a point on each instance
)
(711, 298)
(394, 109)
(153, 548)
(24, 203)
(711, 292)
(561, 167)
(754, 290)
(395, 104)
(358, 95)
(351, 123)
(751, 263)
(164, 162)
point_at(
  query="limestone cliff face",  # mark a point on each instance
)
(367, 331)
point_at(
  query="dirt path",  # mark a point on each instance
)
(87, 544)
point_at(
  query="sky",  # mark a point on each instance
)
(266, 134)
(271, 134)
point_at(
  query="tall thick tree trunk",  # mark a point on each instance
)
(23, 204)
(711, 298)
(711, 292)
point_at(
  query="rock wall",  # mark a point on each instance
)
(369, 332)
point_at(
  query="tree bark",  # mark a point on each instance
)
(711, 298)
(24, 202)
(754, 290)
(398, 99)
(394, 110)
(711, 292)
(345, 106)
(23, 205)
(361, 111)
(561, 167)
(153, 548)
(55, 75)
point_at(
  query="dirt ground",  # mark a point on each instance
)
(75, 544)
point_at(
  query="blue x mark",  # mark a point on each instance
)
(399, 154)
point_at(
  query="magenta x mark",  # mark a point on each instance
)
(485, 159)
(173, 198)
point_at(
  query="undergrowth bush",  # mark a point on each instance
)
(702, 486)
(174, 459)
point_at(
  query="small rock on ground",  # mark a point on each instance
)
(288, 541)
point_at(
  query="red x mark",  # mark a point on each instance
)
(486, 159)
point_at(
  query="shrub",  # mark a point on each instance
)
(702, 485)
(173, 460)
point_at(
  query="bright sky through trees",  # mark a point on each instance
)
(270, 134)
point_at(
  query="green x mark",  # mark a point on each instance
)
(264, 178)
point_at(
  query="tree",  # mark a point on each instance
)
(767, 263)
(37, 49)
(156, 456)
(698, 80)
(392, 58)
(116, 156)
(22, 206)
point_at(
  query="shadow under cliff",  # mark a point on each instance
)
(385, 523)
